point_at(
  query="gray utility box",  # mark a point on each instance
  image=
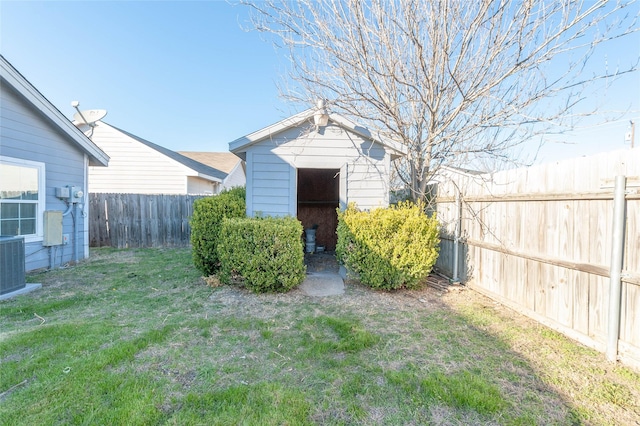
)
(11, 264)
(52, 228)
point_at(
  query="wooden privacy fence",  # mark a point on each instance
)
(540, 240)
(140, 220)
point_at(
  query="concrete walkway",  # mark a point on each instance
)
(323, 278)
(322, 284)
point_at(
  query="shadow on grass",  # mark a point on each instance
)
(165, 348)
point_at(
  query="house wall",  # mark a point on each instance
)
(272, 164)
(197, 185)
(235, 178)
(134, 167)
(26, 135)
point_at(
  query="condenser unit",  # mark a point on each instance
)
(11, 264)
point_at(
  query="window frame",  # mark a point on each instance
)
(41, 203)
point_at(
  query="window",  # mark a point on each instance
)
(22, 195)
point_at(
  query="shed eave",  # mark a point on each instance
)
(397, 149)
(241, 144)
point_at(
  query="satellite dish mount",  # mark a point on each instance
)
(88, 117)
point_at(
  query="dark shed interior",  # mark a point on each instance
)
(318, 199)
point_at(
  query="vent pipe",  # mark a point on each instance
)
(321, 117)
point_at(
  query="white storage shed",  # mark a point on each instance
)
(310, 164)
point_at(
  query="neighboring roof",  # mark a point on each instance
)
(224, 161)
(20, 84)
(443, 174)
(241, 144)
(203, 170)
(463, 171)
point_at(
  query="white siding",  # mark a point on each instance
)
(270, 186)
(271, 166)
(134, 167)
(365, 186)
(197, 185)
(235, 178)
(25, 134)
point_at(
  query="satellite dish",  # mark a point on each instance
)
(89, 116)
(84, 128)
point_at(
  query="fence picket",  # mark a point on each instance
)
(539, 239)
(140, 220)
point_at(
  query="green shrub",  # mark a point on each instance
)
(389, 248)
(206, 221)
(266, 254)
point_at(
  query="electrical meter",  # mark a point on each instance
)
(76, 194)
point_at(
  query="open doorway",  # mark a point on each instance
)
(318, 200)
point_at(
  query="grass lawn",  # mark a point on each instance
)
(137, 337)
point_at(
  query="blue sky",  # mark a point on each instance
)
(186, 76)
(183, 75)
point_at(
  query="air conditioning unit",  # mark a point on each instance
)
(11, 264)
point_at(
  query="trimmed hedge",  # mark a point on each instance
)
(389, 248)
(206, 221)
(265, 254)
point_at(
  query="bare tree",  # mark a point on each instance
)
(455, 81)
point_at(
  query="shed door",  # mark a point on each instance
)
(318, 197)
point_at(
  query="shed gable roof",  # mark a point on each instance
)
(241, 145)
(12, 77)
(203, 170)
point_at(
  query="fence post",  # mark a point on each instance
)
(456, 238)
(615, 271)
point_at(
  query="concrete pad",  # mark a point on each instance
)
(24, 290)
(321, 284)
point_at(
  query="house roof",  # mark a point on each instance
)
(203, 170)
(462, 171)
(444, 173)
(241, 144)
(11, 77)
(224, 161)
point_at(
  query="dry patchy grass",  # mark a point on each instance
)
(143, 339)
